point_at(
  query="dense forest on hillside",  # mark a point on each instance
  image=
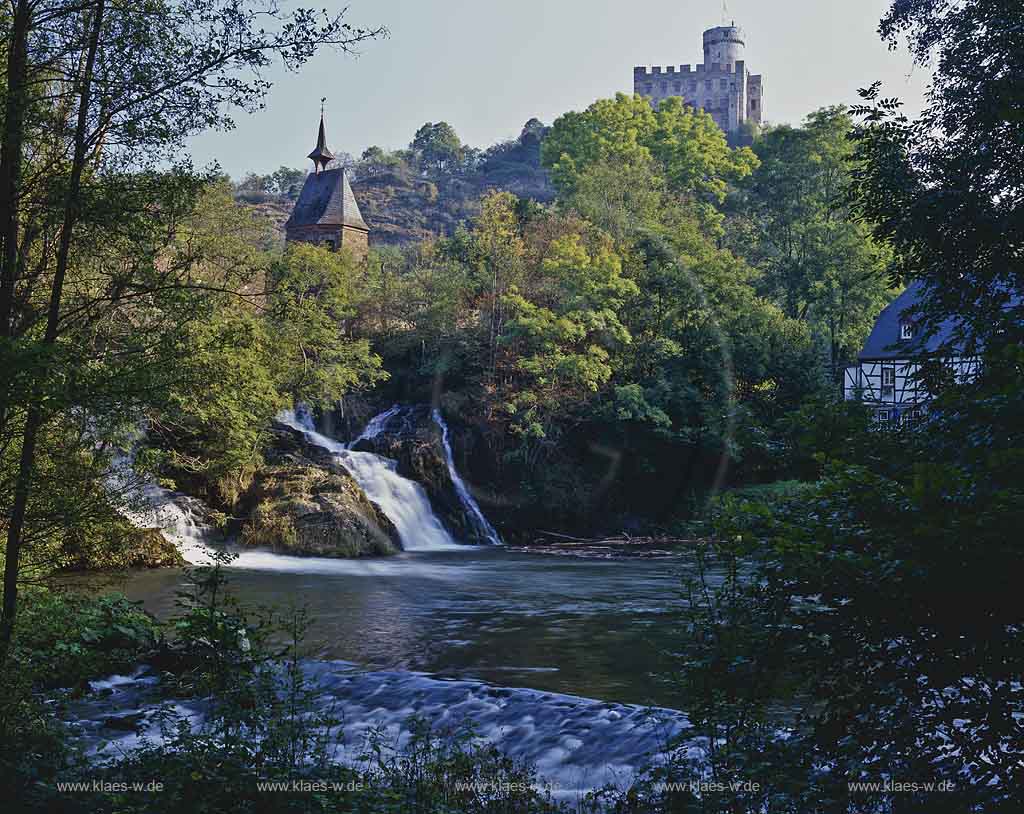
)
(620, 298)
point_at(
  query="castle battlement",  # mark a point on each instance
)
(721, 85)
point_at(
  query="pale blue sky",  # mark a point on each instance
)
(486, 67)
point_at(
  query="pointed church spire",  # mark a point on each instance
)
(321, 156)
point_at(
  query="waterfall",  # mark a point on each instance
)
(483, 528)
(376, 425)
(403, 501)
(179, 518)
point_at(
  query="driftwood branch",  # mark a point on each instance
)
(618, 545)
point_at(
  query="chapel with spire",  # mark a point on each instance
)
(326, 212)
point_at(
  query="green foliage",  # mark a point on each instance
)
(614, 315)
(283, 182)
(67, 638)
(944, 190)
(437, 145)
(792, 220)
(63, 640)
(687, 146)
(900, 635)
(560, 350)
(257, 354)
(313, 294)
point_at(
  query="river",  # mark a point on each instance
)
(594, 628)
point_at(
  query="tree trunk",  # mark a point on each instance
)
(11, 155)
(36, 416)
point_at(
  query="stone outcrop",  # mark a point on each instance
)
(305, 503)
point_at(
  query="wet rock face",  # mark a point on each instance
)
(413, 439)
(304, 503)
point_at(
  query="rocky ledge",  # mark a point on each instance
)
(304, 503)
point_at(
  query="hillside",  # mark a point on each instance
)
(406, 198)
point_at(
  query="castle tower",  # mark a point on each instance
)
(723, 46)
(722, 86)
(326, 212)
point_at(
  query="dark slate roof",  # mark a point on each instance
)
(884, 341)
(327, 200)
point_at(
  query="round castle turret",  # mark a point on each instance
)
(723, 45)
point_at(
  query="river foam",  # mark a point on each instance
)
(576, 744)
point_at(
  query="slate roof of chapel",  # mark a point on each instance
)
(326, 199)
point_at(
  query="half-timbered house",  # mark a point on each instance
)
(887, 374)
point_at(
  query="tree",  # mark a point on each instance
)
(689, 149)
(945, 190)
(792, 219)
(288, 181)
(556, 347)
(98, 94)
(438, 146)
(904, 684)
(257, 361)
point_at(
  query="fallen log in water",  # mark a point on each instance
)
(615, 546)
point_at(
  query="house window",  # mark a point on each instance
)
(888, 380)
(906, 330)
(753, 104)
(883, 415)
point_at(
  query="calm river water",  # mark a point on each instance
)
(593, 628)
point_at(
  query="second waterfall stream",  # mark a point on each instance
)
(404, 501)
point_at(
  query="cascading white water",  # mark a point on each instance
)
(483, 528)
(376, 425)
(403, 501)
(179, 518)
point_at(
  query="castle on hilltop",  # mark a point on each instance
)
(722, 86)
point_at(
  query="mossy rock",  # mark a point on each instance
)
(301, 508)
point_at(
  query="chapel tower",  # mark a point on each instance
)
(326, 212)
